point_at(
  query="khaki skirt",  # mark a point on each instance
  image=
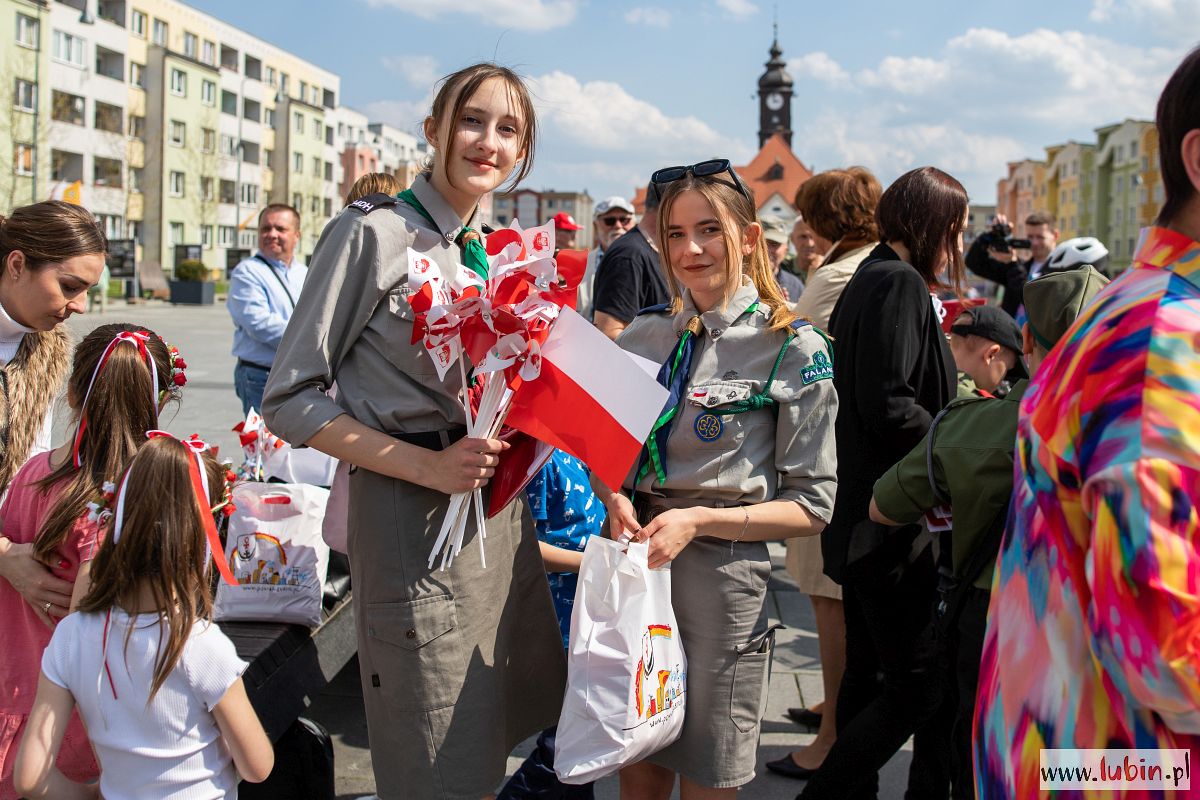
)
(807, 567)
(718, 593)
(458, 667)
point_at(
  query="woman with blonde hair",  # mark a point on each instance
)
(742, 454)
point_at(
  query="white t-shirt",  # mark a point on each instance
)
(169, 748)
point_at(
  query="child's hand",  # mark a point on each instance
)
(621, 516)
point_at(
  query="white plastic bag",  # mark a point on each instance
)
(626, 670)
(275, 550)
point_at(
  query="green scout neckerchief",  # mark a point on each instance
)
(474, 254)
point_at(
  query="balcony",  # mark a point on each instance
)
(66, 166)
(230, 58)
(251, 152)
(110, 63)
(251, 110)
(253, 68)
(109, 118)
(107, 172)
(112, 11)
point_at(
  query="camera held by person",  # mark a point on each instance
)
(999, 238)
(1011, 262)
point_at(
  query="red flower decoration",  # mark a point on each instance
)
(180, 379)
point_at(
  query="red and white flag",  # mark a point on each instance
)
(592, 399)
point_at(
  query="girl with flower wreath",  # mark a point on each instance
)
(122, 376)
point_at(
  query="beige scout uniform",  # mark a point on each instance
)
(458, 666)
(784, 452)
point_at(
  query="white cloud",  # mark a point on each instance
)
(648, 15)
(604, 116)
(738, 8)
(819, 66)
(1172, 18)
(420, 71)
(913, 75)
(528, 15)
(403, 114)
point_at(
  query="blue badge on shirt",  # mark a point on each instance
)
(821, 369)
(708, 427)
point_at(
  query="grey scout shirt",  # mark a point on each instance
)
(783, 453)
(353, 324)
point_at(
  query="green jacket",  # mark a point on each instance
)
(973, 452)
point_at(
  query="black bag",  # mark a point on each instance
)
(303, 766)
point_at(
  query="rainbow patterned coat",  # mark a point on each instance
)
(1093, 637)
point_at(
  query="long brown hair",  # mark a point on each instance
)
(456, 90)
(734, 212)
(926, 210)
(51, 232)
(162, 546)
(119, 412)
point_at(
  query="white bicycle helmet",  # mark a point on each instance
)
(1077, 252)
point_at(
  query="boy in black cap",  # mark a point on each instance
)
(986, 344)
(966, 461)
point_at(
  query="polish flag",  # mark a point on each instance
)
(592, 399)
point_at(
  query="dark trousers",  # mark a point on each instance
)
(249, 381)
(890, 690)
(535, 779)
(962, 653)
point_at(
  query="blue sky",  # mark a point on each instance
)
(625, 87)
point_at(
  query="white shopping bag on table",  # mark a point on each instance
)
(626, 671)
(275, 550)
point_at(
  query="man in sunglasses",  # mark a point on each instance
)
(612, 217)
(629, 277)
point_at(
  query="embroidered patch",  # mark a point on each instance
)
(708, 427)
(730, 375)
(821, 369)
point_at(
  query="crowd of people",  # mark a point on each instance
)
(995, 514)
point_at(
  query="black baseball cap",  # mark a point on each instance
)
(994, 324)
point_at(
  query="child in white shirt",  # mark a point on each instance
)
(158, 686)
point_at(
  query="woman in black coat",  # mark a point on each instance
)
(893, 372)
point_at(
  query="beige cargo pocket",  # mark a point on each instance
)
(417, 648)
(749, 692)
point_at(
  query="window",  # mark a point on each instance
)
(112, 223)
(25, 95)
(229, 103)
(191, 44)
(1119, 213)
(178, 133)
(328, 134)
(176, 184)
(206, 189)
(225, 235)
(134, 230)
(316, 129)
(328, 171)
(297, 200)
(316, 166)
(66, 107)
(304, 90)
(206, 236)
(283, 82)
(228, 191)
(249, 194)
(314, 205)
(269, 117)
(138, 23)
(298, 122)
(108, 118)
(209, 53)
(1120, 183)
(228, 145)
(160, 32)
(298, 163)
(178, 83)
(68, 49)
(137, 74)
(107, 172)
(137, 176)
(267, 156)
(176, 236)
(328, 207)
(271, 75)
(208, 140)
(23, 155)
(208, 93)
(27, 31)
(1132, 155)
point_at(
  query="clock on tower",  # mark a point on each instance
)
(775, 98)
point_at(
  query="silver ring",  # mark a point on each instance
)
(47, 606)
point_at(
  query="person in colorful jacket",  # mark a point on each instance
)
(1094, 619)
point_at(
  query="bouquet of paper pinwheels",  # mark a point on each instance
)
(257, 442)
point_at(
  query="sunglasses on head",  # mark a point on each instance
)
(704, 169)
(624, 219)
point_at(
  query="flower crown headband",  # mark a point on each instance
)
(140, 340)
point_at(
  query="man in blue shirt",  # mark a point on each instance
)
(263, 291)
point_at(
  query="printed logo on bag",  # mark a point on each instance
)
(421, 266)
(821, 369)
(657, 684)
(260, 558)
(541, 241)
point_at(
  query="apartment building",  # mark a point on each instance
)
(24, 63)
(534, 208)
(1069, 192)
(1118, 180)
(366, 146)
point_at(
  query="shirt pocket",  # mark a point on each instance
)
(393, 323)
(707, 426)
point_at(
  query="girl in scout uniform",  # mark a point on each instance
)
(449, 687)
(742, 454)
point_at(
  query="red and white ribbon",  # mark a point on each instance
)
(139, 340)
